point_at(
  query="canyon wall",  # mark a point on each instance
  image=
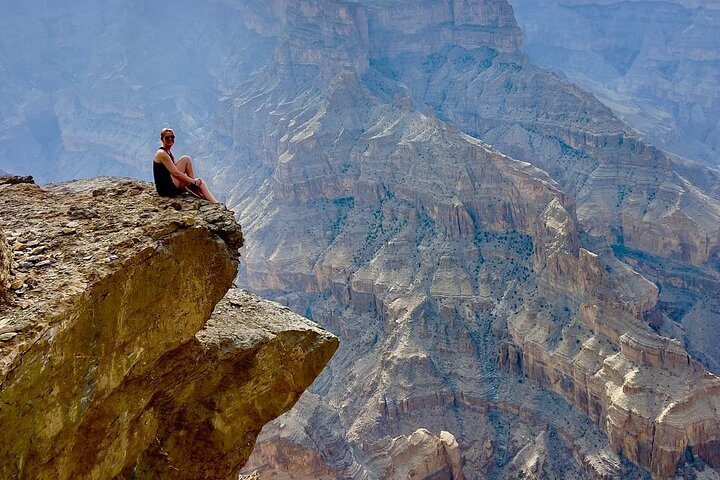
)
(123, 351)
(475, 294)
(658, 211)
(654, 63)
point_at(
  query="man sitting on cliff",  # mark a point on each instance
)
(175, 178)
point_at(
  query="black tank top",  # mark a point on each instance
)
(163, 181)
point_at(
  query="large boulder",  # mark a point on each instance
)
(110, 362)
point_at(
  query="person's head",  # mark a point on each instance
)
(167, 137)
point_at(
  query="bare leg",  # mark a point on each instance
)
(185, 165)
(206, 193)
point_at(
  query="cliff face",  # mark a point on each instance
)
(403, 27)
(626, 190)
(122, 353)
(476, 294)
(657, 211)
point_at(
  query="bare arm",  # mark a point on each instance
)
(163, 157)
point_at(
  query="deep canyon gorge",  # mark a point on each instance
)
(522, 284)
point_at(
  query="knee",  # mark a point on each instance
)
(185, 164)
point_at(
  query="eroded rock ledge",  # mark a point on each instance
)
(111, 364)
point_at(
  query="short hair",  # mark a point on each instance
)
(164, 131)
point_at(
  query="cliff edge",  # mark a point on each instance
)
(124, 352)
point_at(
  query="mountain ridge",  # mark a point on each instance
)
(433, 252)
(653, 62)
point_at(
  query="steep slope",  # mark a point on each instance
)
(626, 190)
(473, 295)
(111, 365)
(657, 211)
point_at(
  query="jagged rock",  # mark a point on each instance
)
(423, 456)
(5, 266)
(250, 362)
(12, 179)
(429, 26)
(109, 366)
(626, 190)
(419, 455)
(473, 293)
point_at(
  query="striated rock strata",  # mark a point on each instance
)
(122, 352)
(474, 293)
(536, 310)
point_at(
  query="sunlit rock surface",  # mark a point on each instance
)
(473, 293)
(116, 359)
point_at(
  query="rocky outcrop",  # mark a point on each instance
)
(419, 456)
(122, 353)
(429, 27)
(5, 269)
(5, 259)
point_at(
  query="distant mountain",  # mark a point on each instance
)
(656, 63)
(452, 273)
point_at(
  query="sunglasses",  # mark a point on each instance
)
(169, 136)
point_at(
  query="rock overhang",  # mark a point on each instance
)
(109, 293)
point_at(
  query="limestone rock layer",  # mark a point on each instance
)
(111, 364)
(655, 63)
(487, 240)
